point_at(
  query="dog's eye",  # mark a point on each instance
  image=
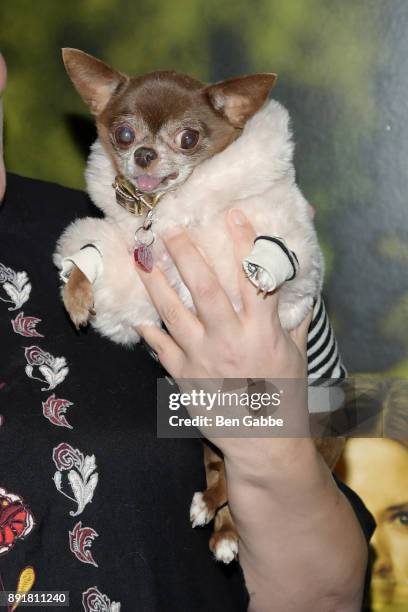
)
(187, 139)
(124, 135)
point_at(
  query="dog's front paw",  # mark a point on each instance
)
(78, 298)
(201, 510)
(265, 281)
(270, 263)
(224, 545)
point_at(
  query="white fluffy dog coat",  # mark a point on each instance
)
(255, 173)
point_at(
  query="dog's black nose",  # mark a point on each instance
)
(144, 156)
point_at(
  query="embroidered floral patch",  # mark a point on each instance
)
(26, 326)
(54, 409)
(16, 285)
(80, 541)
(94, 601)
(73, 467)
(16, 520)
(82, 477)
(53, 369)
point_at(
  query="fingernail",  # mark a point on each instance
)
(237, 216)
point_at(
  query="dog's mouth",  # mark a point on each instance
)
(147, 183)
(141, 191)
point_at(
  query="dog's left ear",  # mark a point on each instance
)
(240, 98)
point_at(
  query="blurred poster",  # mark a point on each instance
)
(376, 467)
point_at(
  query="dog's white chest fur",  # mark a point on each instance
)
(255, 173)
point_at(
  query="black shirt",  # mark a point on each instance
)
(90, 498)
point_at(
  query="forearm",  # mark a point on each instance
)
(301, 546)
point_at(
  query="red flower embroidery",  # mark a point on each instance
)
(16, 520)
(80, 540)
(25, 326)
(54, 410)
(65, 457)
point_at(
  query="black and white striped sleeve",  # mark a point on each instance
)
(324, 361)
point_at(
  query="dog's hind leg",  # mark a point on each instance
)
(213, 503)
(224, 540)
(206, 503)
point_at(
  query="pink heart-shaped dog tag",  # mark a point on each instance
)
(143, 257)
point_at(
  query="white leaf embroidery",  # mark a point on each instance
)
(23, 296)
(77, 487)
(60, 375)
(59, 362)
(53, 369)
(11, 292)
(89, 466)
(16, 285)
(81, 476)
(21, 279)
(90, 488)
(58, 479)
(48, 375)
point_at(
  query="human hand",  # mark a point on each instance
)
(217, 342)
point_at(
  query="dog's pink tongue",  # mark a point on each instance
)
(145, 182)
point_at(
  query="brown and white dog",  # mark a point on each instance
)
(203, 149)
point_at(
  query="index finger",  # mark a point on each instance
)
(213, 306)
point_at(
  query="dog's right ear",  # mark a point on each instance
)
(94, 80)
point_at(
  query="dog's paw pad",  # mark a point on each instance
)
(200, 513)
(226, 549)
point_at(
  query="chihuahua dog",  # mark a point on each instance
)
(173, 151)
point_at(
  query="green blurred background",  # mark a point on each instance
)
(342, 76)
(205, 38)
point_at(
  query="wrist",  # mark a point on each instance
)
(262, 462)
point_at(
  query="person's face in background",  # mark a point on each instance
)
(377, 469)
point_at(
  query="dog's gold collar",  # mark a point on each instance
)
(133, 200)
